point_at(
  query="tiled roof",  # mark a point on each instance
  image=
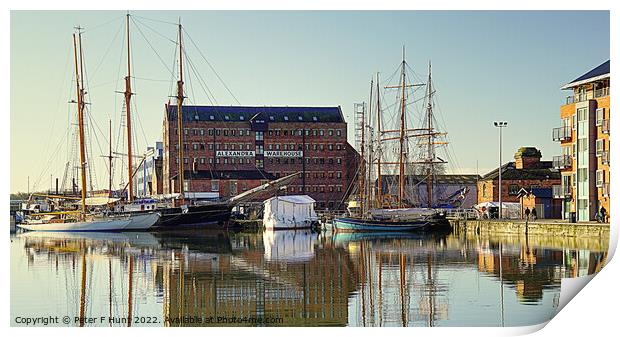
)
(542, 171)
(266, 114)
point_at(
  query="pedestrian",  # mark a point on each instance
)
(534, 215)
(603, 213)
(527, 213)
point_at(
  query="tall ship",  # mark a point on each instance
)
(71, 215)
(392, 150)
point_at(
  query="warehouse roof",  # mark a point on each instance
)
(266, 114)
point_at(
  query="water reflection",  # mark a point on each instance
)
(294, 278)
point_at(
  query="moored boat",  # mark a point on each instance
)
(351, 224)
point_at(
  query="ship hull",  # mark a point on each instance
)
(106, 225)
(200, 216)
(367, 225)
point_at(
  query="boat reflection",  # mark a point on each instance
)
(296, 278)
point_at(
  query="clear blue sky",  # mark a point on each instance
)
(487, 65)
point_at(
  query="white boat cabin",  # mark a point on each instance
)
(289, 212)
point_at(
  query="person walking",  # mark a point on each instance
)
(534, 214)
(603, 213)
(527, 213)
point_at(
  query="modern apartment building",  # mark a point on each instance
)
(584, 140)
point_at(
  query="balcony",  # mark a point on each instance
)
(562, 133)
(605, 126)
(602, 92)
(562, 162)
(604, 157)
(605, 189)
(561, 191)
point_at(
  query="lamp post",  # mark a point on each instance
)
(500, 125)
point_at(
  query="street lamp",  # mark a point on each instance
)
(500, 125)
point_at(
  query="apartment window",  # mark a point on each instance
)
(600, 178)
(574, 121)
(600, 147)
(215, 185)
(600, 115)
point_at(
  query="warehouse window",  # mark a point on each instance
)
(513, 189)
(215, 185)
(338, 133)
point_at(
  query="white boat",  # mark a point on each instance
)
(289, 212)
(106, 224)
(142, 221)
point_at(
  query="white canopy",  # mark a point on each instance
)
(294, 199)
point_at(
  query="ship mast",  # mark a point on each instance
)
(128, 94)
(379, 198)
(368, 185)
(401, 163)
(431, 148)
(80, 105)
(361, 171)
(180, 113)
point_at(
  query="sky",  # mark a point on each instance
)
(487, 65)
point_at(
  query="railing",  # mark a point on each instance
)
(605, 157)
(562, 162)
(562, 133)
(605, 189)
(561, 191)
(605, 126)
(601, 92)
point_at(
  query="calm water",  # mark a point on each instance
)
(290, 278)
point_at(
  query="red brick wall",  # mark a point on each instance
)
(326, 156)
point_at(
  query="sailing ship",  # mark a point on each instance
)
(373, 210)
(77, 220)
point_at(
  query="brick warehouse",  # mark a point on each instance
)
(231, 149)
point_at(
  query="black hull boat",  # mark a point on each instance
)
(213, 215)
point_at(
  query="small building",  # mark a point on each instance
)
(542, 200)
(145, 181)
(526, 172)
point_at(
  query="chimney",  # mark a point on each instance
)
(527, 157)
